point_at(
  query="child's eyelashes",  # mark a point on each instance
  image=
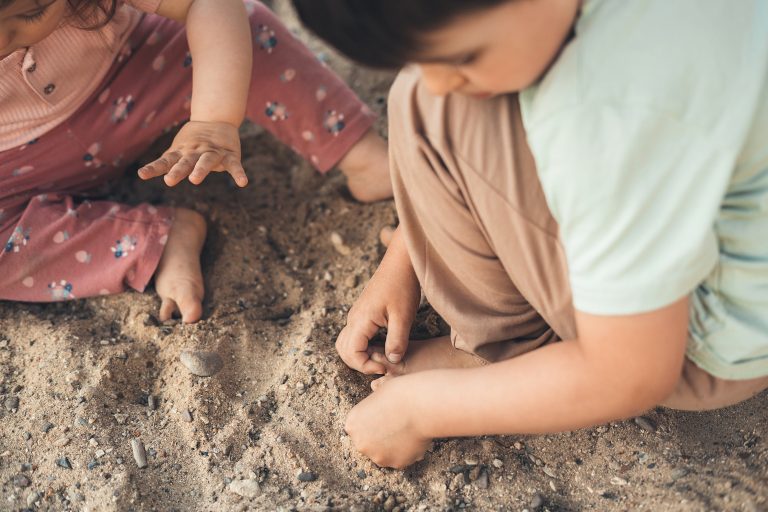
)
(32, 17)
(467, 60)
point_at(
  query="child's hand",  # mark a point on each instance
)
(382, 428)
(197, 150)
(389, 300)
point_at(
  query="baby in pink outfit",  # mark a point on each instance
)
(87, 86)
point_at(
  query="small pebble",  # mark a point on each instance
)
(12, 403)
(307, 476)
(246, 488)
(617, 480)
(21, 481)
(139, 454)
(32, 497)
(92, 464)
(46, 427)
(61, 442)
(361, 474)
(186, 415)
(338, 244)
(646, 424)
(152, 402)
(482, 480)
(64, 463)
(497, 463)
(27, 436)
(549, 472)
(537, 501)
(201, 362)
(678, 473)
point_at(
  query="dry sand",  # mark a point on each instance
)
(277, 295)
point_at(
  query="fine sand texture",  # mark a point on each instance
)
(285, 259)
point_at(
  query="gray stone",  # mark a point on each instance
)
(64, 463)
(537, 501)
(307, 476)
(139, 454)
(646, 424)
(482, 480)
(246, 488)
(11, 403)
(21, 481)
(201, 362)
(32, 498)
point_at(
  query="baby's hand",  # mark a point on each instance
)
(197, 150)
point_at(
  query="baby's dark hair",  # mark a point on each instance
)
(382, 33)
(89, 14)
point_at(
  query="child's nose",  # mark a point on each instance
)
(441, 79)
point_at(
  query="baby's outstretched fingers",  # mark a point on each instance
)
(208, 162)
(160, 166)
(181, 169)
(236, 170)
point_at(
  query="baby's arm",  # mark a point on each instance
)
(619, 367)
(219, 40)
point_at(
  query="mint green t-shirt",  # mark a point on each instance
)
(650, 134)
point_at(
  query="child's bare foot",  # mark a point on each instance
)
(385, 235)
(179, 279)
(431, 354)
(366, 166)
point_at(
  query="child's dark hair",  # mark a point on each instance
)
(381, 33)
(90, 14)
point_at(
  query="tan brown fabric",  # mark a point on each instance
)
(700, 391)
(480, 236)
(477, 227)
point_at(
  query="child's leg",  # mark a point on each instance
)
(305, 105)
(699, 391)
(479, 234)
(60, 247)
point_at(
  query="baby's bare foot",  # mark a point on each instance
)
(179, 279)
(366, 166)
(431, 354)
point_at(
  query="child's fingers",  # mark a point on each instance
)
(181, 169)
(207, 162)
(398, 332)
(235, 169)
(352, 346)
(159, 166)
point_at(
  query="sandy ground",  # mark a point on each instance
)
(80, 380)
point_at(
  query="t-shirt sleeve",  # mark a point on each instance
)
(145, 5)
(636, 193)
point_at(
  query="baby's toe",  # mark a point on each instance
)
(167, 309)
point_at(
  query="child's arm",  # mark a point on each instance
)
(619, 367)
(389, 300)
(219, 40)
